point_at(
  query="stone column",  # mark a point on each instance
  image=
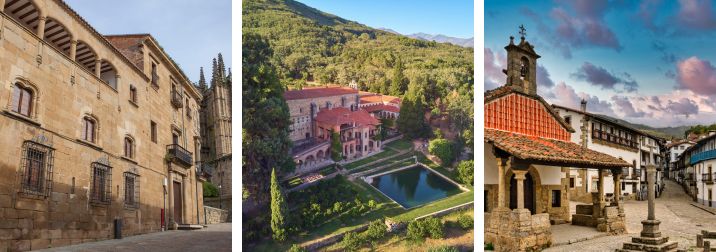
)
(501, 163)
(601, 185)
(97, 67)
(41, 27)
(520, 178)
(617, 176)
(650, 177)
(73, 49)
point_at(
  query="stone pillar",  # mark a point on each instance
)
(617, 177)
(650, 177)
(520, 178)
(41, 27)
(97, 67)
(501, 163)
(601, 185)
(73, 50)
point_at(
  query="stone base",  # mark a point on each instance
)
(630, 246)
(650, 228)
(650, 239)
(517, 230)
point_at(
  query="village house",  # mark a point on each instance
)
(673, 151)
(604, 134)
(697, 169)
(100, 133)
(529, 155)
(317, 112)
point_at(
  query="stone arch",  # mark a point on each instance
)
(129, 145)
(540, 207)
(86, 56)
(25, 12)
(320, 155)
(310, 159)
(58, 36)
(108, 73)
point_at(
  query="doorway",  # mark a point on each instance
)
(178, 203)
(528, 190)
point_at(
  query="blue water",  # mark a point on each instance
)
(414, 186)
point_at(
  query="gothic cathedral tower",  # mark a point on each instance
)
(522, 65)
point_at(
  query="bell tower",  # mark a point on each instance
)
(522, 64)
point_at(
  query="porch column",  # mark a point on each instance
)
(501, 163)
(41, 27)
(520, 178)
(650, 176)
(617, 176)
(73, 49)
(601, 185)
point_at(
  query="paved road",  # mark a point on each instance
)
(216, 237)
(679, 220)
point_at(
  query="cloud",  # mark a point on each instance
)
(624, 105)
(564, 95)
(684, 106)
(647, 9)
(666, 55)
(494, 63)
(598, 76)
(696, 15)
(543, 78)
(696, 75)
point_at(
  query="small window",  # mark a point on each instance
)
(571, 182)
(128, 147)
(101, 183)
(568, 119)
(175, 138)
(22, 100)
(37, 169)
(133, 94)
(89, 129)
(556, 198)
(131, 190)
(153, 131)
(623, 186)
(155, 76)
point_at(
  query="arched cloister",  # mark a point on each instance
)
(108, 73)
(58, 36)
(25, 12)
(86, 56)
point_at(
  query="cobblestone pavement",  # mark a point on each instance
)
(215, 237)
(679, 220)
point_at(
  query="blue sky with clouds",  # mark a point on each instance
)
(192, 32)
(647, 61)
(451, 18)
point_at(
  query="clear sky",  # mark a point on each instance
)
(451, 18)
(191, 32)
(644, 61)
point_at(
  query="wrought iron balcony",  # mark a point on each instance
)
(176, 99)
(178, 154)
(707, 178)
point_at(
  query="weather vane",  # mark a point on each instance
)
(522, 30)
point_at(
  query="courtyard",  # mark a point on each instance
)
(680, 221)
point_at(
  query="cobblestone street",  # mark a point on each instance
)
(216, 237)
(679, 220)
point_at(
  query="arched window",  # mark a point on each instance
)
(89, 129)
(524, 67)
(128, 147)
(22, 100)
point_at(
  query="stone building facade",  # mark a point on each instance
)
(95, 130)
(215, 114)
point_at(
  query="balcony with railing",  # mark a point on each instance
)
(177, 99)
(707, 178)
(605, 136)
(178, 154)
(701, 156)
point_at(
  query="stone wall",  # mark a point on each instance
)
(517, 230)
(215, 215)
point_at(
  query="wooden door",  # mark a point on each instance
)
(178, 203)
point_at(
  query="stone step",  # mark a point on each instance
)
(189, 227)
(669, 246)
(708, 234)
(582, 220)
(649, 240)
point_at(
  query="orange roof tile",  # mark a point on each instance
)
(382, 107)
(341, 115)
(308, 93)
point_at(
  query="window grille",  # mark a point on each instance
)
(37, 162)
(101, 183)
(131, 190)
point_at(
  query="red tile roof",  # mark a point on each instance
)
(549, 150)
(382, 107)
(368, 97)
(308, 93)
(341, 115)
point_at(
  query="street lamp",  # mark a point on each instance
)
(220, 196)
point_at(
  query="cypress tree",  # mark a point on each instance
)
(278, 209)
(397, 83)
(336, 147)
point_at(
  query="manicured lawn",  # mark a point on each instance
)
(384, 154)
(401, 144)
(293, 182)
(327, 170)
(393, 160)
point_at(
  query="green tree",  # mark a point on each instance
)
(411, 121)
(210, 190)
(266, 143)
(352, 241)
(397, 83)
(443, 149)
(278, 210)
(465, 221)
(376, 230)
(460, 112)
(336, 147)
(297, 248)
(465, 170)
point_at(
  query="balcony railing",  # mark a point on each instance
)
(707, 178)
(599, 134)
(178, 154)
(701, 156)
(177, 99)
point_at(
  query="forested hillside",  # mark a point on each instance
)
(315, 46)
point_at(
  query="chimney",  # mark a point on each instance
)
(583, 106)
(585, 124)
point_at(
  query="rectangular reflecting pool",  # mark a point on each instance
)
(414, 186)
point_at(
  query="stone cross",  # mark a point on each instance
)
(522, 30)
